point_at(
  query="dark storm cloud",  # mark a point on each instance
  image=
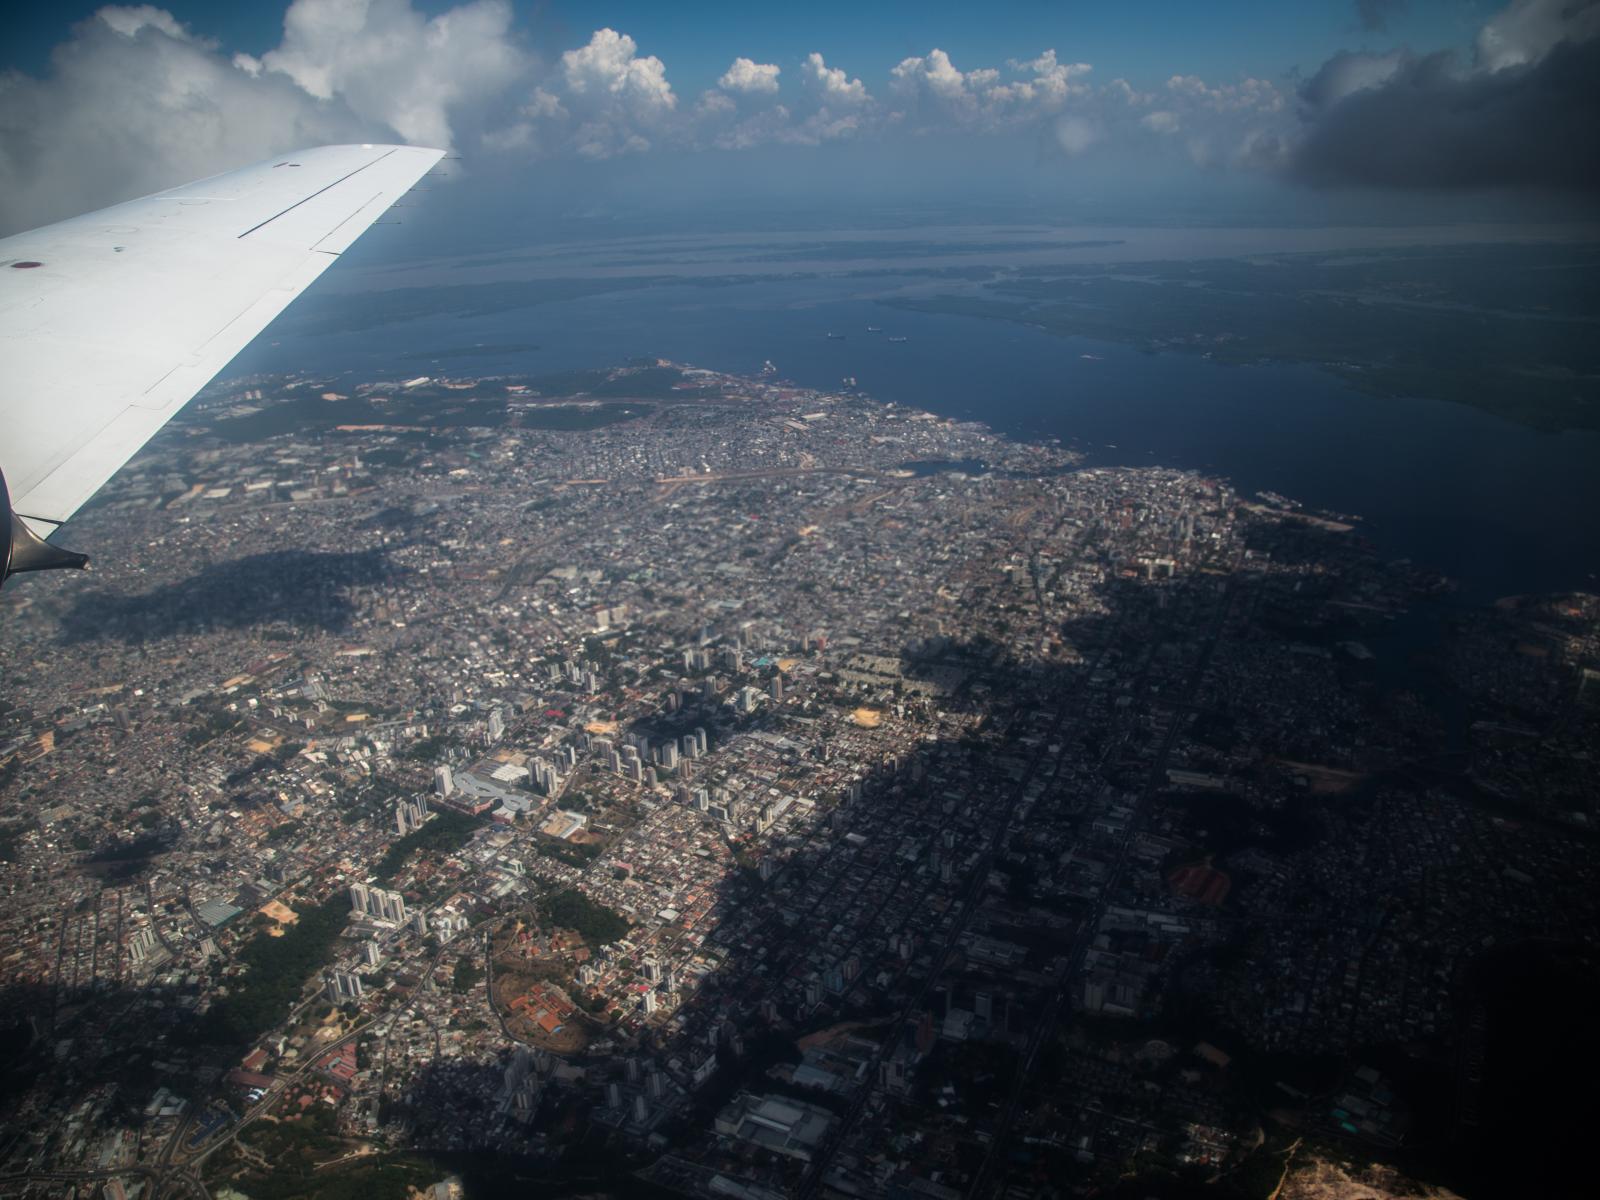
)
(1401, 121)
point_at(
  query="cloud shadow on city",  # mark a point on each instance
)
(303, 589)
(756, 1032)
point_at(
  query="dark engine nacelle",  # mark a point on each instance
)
(25, 550)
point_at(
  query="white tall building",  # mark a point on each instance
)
(343, 985)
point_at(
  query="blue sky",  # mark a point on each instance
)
(1144, 40)
(1036, 101)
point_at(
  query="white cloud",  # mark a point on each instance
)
(135, 104)
(616, 100)
(1121, 89)
(392, 65)
(1345, 74)
(1248, 95)
(134, 101)
(835, 86)
(1053, 82)
(938, 93)
(935, 74)
(1526, 30)
(746, 75)
(610, 66)
(1076, 134)
(745, 112)
(128, 21)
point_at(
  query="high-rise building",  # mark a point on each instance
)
(343, 985)
(443, 780)
(360, 898)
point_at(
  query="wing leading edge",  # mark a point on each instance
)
(111, 322)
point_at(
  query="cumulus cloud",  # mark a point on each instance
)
(611, 66)
(1046, 81)
(1346, 73)
(619, 99)
(128, 21)
(394, 67)
(746, 75)
(937, 93)
(604, 99)
(746, 111)
(1248, 95)
(1523, 114)
(834, 85)
(1526, 30)
(134, 101)
(934, 74)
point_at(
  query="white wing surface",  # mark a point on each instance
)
(111, 322)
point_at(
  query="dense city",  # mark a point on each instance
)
(654, 781)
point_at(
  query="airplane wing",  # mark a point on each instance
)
(111, 322)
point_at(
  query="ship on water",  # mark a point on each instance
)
(836, 337)
(897, 339)
(874, 329)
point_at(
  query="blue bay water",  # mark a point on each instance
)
(1497, 507)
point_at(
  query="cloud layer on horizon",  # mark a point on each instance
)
(135, 101)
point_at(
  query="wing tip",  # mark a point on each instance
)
(387, 146)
